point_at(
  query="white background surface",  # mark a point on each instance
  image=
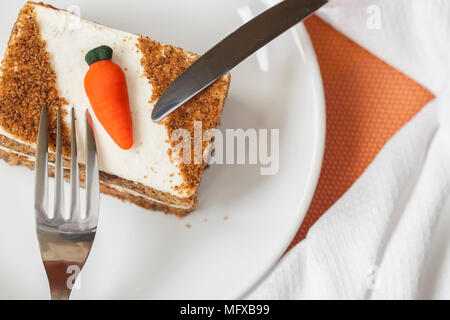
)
(142, 254)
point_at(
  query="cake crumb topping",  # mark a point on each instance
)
(162, 64)
(27, 82)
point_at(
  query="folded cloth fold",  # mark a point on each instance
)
(387, 237)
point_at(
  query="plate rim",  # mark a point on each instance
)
(303, 206)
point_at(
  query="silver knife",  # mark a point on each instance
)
(231, 51)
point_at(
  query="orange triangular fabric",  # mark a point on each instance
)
(367, 102)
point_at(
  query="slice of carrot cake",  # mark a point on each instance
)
(58, 59)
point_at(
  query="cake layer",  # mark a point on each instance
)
(44, 63)
(17, 154)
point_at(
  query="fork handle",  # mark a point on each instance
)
(58, 278)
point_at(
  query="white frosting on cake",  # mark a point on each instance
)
(68, 39)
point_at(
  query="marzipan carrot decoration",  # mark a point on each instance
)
(106, 87)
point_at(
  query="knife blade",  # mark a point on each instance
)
(231, 51)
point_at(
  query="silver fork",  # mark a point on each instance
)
(65, 243)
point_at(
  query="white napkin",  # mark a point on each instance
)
(388, 237)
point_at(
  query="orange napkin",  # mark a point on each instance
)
(367, 102)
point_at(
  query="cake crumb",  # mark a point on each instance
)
(225, 218)
(188, 226)
(162, 64)
(206, 220)
(27, 81)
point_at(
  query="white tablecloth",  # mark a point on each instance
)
(389, 235)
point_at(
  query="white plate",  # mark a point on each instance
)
(143, 254)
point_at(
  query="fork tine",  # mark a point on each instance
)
(74, 179)
(92, 176)
(41, 167)
(59, 173)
